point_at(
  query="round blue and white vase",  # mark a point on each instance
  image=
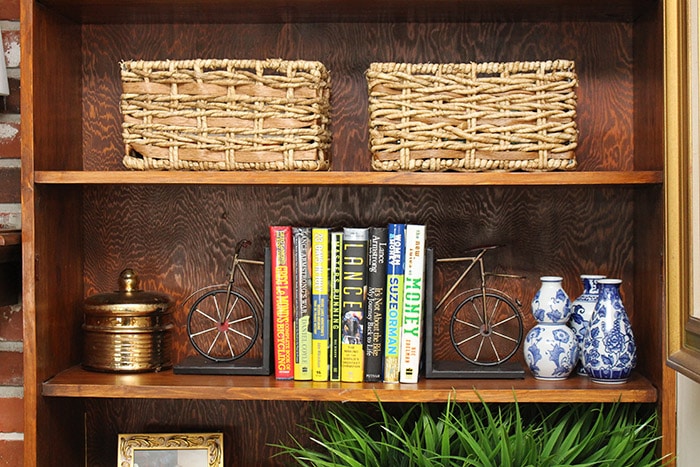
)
(550, 347)
(609, 349)
(551, 303)
(581, 311)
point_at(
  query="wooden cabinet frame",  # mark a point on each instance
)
(79, 204)
(682, 178)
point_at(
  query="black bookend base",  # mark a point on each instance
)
(466, 370)
(198, 365)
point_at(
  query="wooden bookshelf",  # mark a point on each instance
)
(85, 217)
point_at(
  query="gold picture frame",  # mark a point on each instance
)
(171, 450)
(682, 186)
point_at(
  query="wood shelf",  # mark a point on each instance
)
(10, 238)
(351, 178)
(76, 382)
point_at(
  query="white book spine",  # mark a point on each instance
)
(413, 294)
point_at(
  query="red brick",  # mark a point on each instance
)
(11, 323)
(11, 453)
(9, 10)
(9, 140)
(12, 410)
(10, 368)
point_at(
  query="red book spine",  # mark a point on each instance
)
(282, 301)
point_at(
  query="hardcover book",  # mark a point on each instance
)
(302, 303)
(412, 322)
(282, 307)
(319, 303)
(394, 301)
(354, 302)
(374, 316)
(336, 314)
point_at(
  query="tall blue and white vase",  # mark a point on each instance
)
(550, 347)
(581, 312)
(609, 350)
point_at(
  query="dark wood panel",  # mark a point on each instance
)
(602, 51)
(649, 90)
(249, 427)
(345, 10)
(180, 239)
(56, 108)
(54, 318)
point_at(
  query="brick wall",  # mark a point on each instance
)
(11, 402)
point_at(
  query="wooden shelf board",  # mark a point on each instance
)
(10, 237)
(351, 178)
(76, 382)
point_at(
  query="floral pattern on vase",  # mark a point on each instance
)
(582, 311)
(551, 303)
(551, 351)
(610, 352)
(550, 347)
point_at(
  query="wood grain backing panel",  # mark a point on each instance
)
(344, 10)
(178, 250)
(648, 273)
(649, 90)
(249, 427)
(56, 111)
(64, 420)
(57, 281)
(58, 278)
(602, 51)
(651, 333)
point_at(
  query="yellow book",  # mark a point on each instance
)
(319, 303)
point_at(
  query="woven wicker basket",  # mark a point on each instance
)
(225, 115)
(473, 116)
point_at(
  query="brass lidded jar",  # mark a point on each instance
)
(128, 331)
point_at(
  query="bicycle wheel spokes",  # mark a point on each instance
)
(486, 332)
(222, 333)
(234, 330)
(231, 307)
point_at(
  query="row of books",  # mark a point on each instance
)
(348, 305)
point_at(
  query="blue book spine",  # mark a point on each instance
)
(396, 261)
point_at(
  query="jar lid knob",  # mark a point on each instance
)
(128, 281)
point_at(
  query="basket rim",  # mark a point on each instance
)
(471, 66)
(217, 63)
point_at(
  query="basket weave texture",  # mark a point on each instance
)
(225, 115)
(473, 116)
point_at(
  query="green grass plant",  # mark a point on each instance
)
(485, 435)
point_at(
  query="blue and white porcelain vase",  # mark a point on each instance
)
(550, 347)
(581, 312)
(609, 350)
